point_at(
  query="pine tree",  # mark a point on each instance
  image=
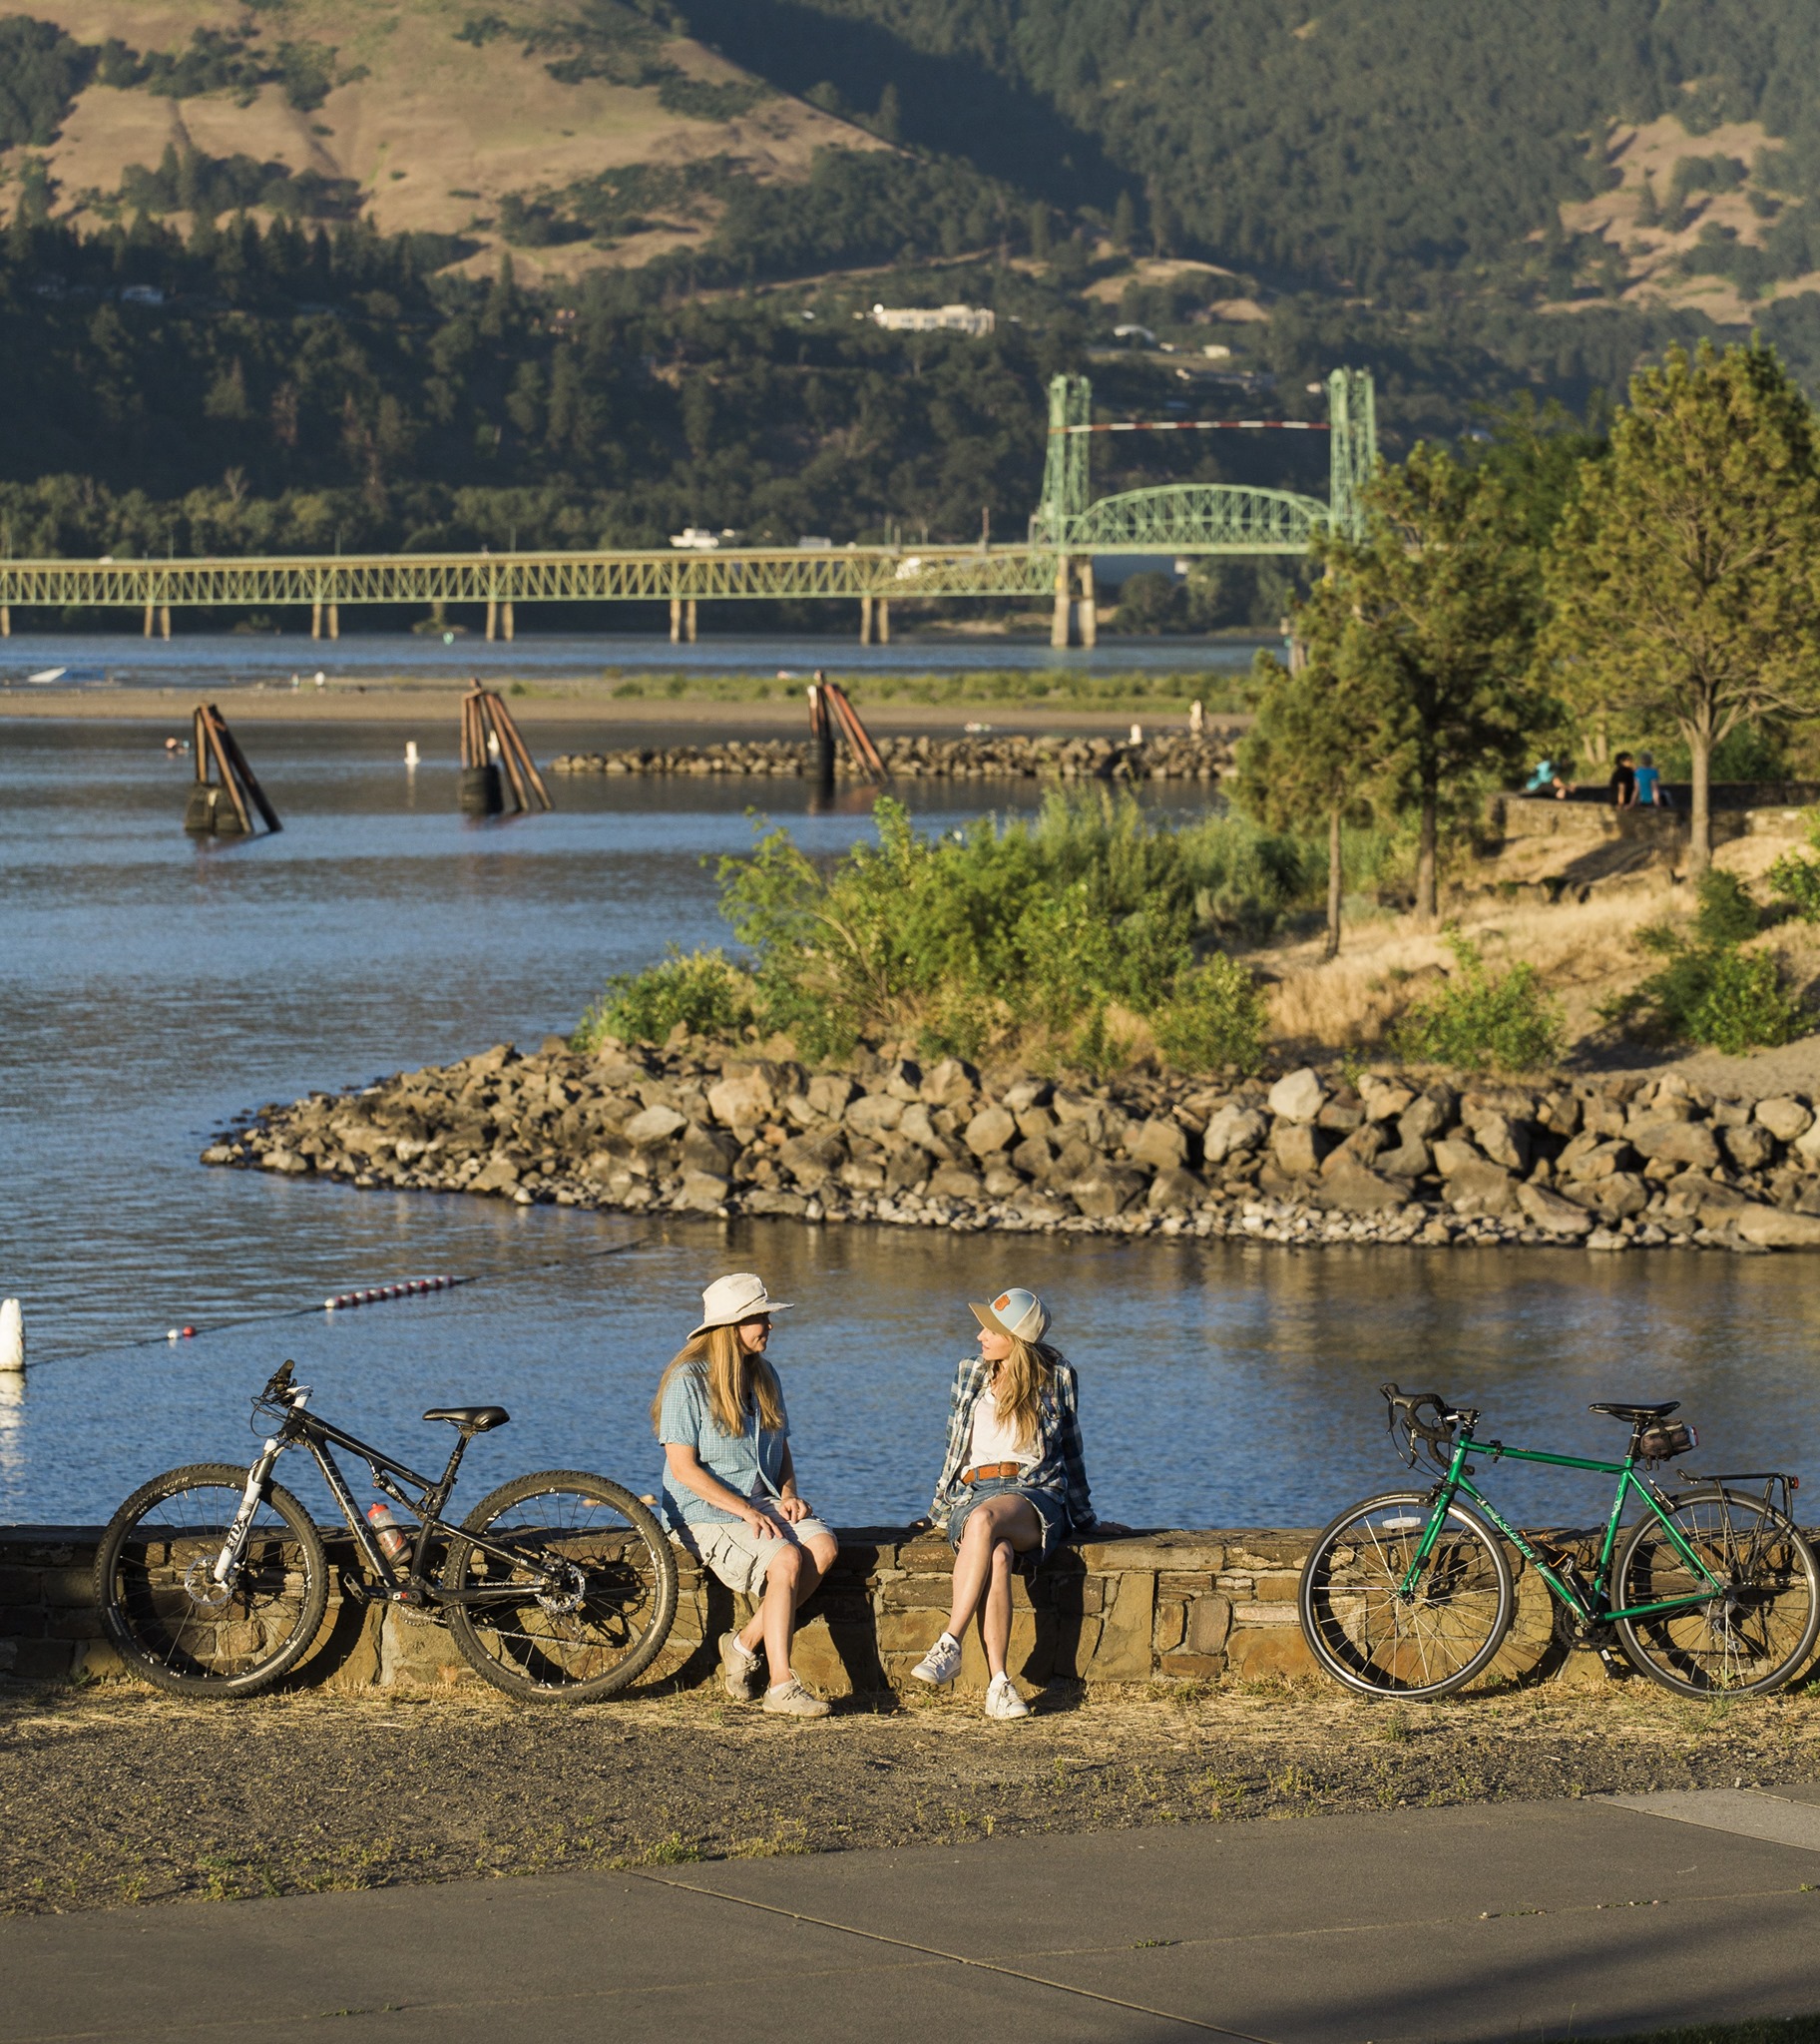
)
(1681, 581)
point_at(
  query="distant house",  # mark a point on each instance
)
(976, 320)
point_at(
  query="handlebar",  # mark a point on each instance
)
(1427, 1422)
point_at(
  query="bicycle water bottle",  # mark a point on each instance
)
(391, 1536)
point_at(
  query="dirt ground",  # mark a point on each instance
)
(110, 1794)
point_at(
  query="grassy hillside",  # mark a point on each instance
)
(252, 289)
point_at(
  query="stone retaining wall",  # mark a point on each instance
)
(1172, 1606)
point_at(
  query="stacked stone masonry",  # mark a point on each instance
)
(1009, 755)
(1606, 1164)
(1166, 1606)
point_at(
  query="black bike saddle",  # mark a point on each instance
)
(478, 1418)
(1636, 1414)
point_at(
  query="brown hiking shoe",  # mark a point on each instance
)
(739, 1669)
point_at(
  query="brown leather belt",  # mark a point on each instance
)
(992, 1472)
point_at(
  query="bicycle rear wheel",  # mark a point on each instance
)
(1744, 1643)
(1371, 1634)
(172, 1621)
(581, 1599)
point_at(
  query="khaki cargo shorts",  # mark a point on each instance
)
(737, 1556)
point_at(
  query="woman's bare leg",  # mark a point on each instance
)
(1006, 1517)
(995, 1612)
(789, 1581)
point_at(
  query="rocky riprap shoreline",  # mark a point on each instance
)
(1170, 755)
(1606, 1164)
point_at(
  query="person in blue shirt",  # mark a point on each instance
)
(1649, 783)
(729, 1486)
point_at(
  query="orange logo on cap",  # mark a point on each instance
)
(1001, 1303)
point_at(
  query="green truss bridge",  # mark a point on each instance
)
(1067, 530)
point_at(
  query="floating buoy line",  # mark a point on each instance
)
(341, 1301)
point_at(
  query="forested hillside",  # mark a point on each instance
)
(575, 270)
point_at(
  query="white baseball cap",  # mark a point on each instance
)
(1017, 1313)
(728, 1300)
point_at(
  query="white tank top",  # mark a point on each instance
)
(993, 1439)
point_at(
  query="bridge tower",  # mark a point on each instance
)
(1065, 484)
(1352, 413)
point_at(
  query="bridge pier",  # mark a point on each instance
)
(1090, 606)
(875, 621)
(492, 619)
(316, 619)
(6, 620)
(150, 610)
(1061, 630)
(681, 620)
(163, 621)
(334, 619)
(505, 620)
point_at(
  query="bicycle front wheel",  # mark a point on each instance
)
(571, 1596)
(1378, 1632)
(169, 1617)
(1747, 1640)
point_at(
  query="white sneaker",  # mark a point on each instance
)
(1003, 1700)
(792, 1700)
(941, 1664)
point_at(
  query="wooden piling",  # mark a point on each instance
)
(217, 752)
(490, 741)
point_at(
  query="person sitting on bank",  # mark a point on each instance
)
(729, 1486)
(1623, 783)
(1650, 793)
(1013, 1484)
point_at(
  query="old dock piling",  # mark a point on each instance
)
(224, 807)
(495, 761)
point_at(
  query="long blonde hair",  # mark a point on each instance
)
(1019, 1386)
(737, 1379)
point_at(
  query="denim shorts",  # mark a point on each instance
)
(1051, 1516)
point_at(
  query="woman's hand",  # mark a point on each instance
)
(795, 1509)
(761, 1524)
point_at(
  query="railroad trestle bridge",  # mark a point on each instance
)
(1067, 531)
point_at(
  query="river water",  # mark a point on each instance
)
(150, 989)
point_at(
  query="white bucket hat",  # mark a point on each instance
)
(728, 1300)
(1017, 1313)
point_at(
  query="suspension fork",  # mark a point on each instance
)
(256, 1478)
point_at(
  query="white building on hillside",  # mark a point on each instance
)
(972, 319)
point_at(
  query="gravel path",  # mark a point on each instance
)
(111, 1794)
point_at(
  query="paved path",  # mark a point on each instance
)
(1517, 1922)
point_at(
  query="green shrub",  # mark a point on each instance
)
(1709, 991)
(703, 990)
(1214, 1018)
(1794, 879)
(1482, 1021)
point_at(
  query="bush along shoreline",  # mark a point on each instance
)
(1610, 1163)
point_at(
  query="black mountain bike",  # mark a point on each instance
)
(213, 1581)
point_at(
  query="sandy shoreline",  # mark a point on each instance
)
(577, 705)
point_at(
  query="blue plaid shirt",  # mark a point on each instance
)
(1058, 1467)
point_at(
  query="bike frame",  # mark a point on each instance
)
(1599, 1610)
(301, 1428)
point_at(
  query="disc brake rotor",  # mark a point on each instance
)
(201, 1586)
(565, 1601)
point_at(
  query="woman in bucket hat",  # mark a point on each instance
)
(1014, 1483)
(729, 1485)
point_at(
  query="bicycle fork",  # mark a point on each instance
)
(232, 1548)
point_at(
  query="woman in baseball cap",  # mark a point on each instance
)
(729, 1485)
(1014, 1483)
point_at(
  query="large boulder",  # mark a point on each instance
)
(1422, 1120)
(1296, 1148)
(654, 1125)
(1455, 1154)
(949, 1084)
(702, 1193)
(1785, 1119)
(710, 1151)
(874, 1114)
(810, 1159)
(1174, 1190)
(1107, 1191)
(742, 1098)
(991, 1128)
(1771, 1228)
(954, 1182)
(1355, 1189)
(1383, 1101)
(1748, 1145)
(1159, 1143)
(1232, 1130)
(1408, 1160)
(828, 1094)
(1550, 1212)
(1503, 1140)
(1482, 1187)
(1672, 1140)
(1299, 1097)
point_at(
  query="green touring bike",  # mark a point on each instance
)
(1712, 1591)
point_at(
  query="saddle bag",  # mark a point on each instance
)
(1662, 1443)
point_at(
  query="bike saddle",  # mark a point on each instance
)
(1636, 1414)
(476, 1418)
